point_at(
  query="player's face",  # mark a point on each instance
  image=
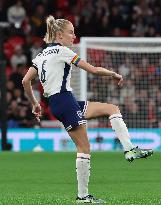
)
(68, 35)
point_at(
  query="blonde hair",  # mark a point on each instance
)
(53, 26)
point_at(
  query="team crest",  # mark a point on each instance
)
(79, 113)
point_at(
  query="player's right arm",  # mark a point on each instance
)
(30, 75)
(100, 71)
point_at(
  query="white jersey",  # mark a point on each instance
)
(54, 68)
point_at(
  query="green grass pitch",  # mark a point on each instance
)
(50, 179)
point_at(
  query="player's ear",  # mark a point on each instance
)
(59, 34)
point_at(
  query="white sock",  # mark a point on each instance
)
(83, 173)
(121, 131)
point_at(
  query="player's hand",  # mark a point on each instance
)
(36, 110)
(119, 78)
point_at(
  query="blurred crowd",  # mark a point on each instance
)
(140, 99)
(90, 17)
(23, 40)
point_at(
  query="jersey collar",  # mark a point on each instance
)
(53, 44)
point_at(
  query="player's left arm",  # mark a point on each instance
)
(100, 71)
(70, 57)
(30, 75)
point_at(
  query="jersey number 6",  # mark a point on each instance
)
(43, 76)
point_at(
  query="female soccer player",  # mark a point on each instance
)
(53, 66)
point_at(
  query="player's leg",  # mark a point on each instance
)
(75, 124)
(79, 137)
(97, 109)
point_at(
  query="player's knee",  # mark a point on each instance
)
(114, 109)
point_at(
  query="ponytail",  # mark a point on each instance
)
(53, 26)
